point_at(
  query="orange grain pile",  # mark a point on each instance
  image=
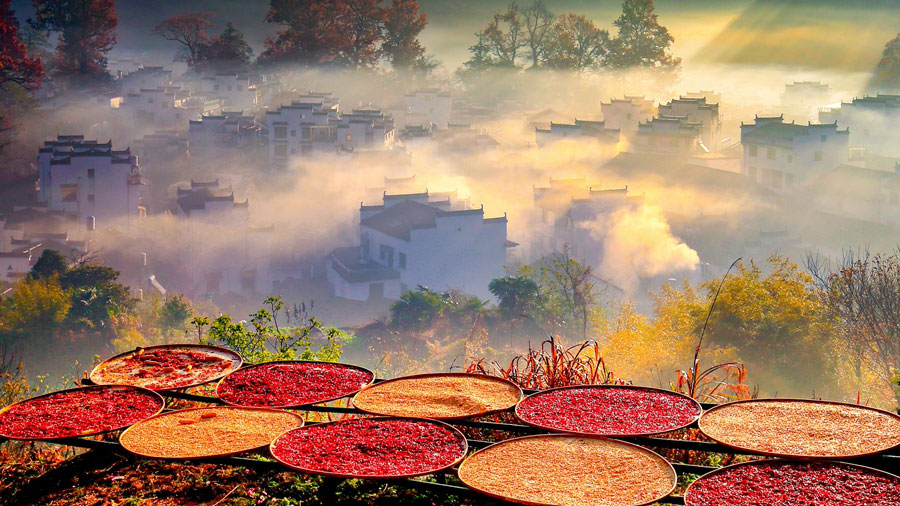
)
(207, 432)
(570, 471)
(802, 428)
(438, 396)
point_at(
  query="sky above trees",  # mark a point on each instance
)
(704, 30)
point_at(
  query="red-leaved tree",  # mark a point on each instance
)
(15, 65)
(315, 31)
(87, 31)
(189, 30)
(401, 47)
(17, 69)
(364, 23)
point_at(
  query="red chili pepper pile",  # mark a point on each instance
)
(790, 483)
(283, 384)
(78, 412)
(608, 411)
(169, 367)
(371, 447)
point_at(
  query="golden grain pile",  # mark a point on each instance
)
(438, 396)
(802, 428)
(207, 432)
(569, 470)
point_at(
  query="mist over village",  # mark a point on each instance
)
(692, 198)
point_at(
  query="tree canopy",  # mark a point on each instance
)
(535, 37)
(86, 31)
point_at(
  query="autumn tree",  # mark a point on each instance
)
(364, 23)
(19, 72)
(505, 37)
(641, 41)
(315, 31)
(189, 30)
(771, 319)
(37, 42)
(480, 60)
(34, 312)
(538, 21)
(862, 294)
(16, 67)
(576, 44)
(86, 30)
(227, 51)
(569, 292)
(401, 47)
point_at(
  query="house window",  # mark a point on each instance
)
(777, 179)
(90, 197)
(229, 88)
(818, 156)
(248, 281)
(215, 87)
(304, 133)
(348, 137)
(280, 132)
(753, 150)
(69, 193)
(281, 150)
(770, 154)
(150, 100)
(293, 133)
(90, 173)
(401, 260)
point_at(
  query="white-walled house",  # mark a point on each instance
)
(584, 130)
(171, 106)
(235, 89)
(874, 123)
(573, 212)
(627, 113)
(231, 135)
(803, 98)
(787, 156)
(144, 78)
(414, 239)
(859, 193)
(428, 106)
(697, 110)
(85, 178)
(226, 254)
(675, 135)
(160, 147)
(305, 126)
(365, 128)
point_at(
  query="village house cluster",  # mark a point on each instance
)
(188, 147)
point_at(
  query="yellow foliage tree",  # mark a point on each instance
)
(35, 309)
